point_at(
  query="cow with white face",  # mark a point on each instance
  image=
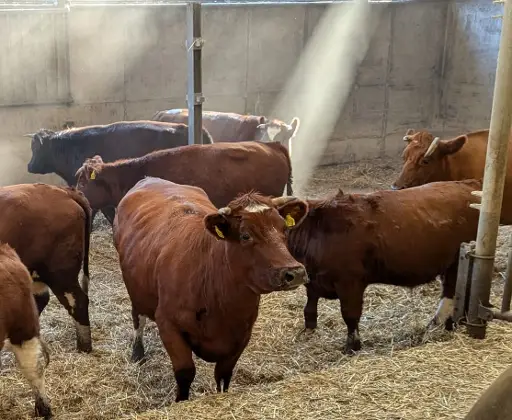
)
(232, 127)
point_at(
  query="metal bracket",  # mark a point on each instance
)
(198, 98)
(197, 43)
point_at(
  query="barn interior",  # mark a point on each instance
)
(422, 64)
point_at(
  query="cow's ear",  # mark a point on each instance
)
(449, 147)
(263, 120)
(293, 212)
(295, 124)
(410, 132)
(218, 225)
(86, 171)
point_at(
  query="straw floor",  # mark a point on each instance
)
(403, 372)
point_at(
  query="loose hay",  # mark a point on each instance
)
(402, 372)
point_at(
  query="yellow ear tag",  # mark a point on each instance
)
(289, 220)
(93, 175)
(221, 235)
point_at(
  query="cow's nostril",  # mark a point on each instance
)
(289, 277)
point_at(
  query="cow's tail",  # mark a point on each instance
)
(289, 182)
(80, 199)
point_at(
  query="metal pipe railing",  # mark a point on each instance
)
(494, 180)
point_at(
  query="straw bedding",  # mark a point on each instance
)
(403, 372)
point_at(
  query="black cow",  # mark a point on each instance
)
(63, 152)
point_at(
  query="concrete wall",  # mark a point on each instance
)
(430, 64)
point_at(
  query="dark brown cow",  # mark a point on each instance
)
(495, 402)
(19, 322)
(49, 227)
(199, 272)
(232, 127)
(63, 152)
(404, 238)
(223, 170)
(428, 159)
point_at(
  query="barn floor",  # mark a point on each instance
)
(402, 372)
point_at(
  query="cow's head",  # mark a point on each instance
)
(42, 161)
(425, 159)
(91, 182)
(254, 228)
(278, 131)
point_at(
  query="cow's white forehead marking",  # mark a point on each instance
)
(272, 132)
(256, 208)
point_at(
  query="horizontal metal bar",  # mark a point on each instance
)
(503, 316)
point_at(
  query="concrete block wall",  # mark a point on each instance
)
(431, 64)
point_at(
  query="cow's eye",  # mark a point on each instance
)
(425, 161)
(245, 237)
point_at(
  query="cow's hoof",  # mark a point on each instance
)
(42, 409)
(352, 346)
(138, 353)
(449, 324)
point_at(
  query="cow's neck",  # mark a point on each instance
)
(469, 161)
(226, 292)
(121, 178)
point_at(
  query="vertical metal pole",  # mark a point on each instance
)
(507, 293)
(195, 97)
(494, 180)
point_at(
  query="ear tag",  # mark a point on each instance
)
(289, 220)
(93, 175)
(219, 233)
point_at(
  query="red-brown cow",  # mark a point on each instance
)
(19, 323)
(404, 238)
(232, 127)
(428, 159)
(199, 272)
(49, 227)
(223, 170)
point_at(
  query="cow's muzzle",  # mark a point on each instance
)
(291, 278)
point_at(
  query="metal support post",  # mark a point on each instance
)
(195, 97)
(494, 180)
(507, 293)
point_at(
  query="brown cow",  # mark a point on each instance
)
(19, 323)
(49, 227)
(232, 127)
(199, 272)
(495, 402)
(404, 238)
(428, 159)
(223, 170)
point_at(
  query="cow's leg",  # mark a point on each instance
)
(139, 322)
(32, 357)
(311, 310)
(109, 213)
(351, 305)
(41, 295)
(74, 299)
(180, 354)
(444, 313)
(224, 369)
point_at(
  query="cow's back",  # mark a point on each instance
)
(41, 222)
(222, 126)
(225, 171)
(404, 237)
(150, 218)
